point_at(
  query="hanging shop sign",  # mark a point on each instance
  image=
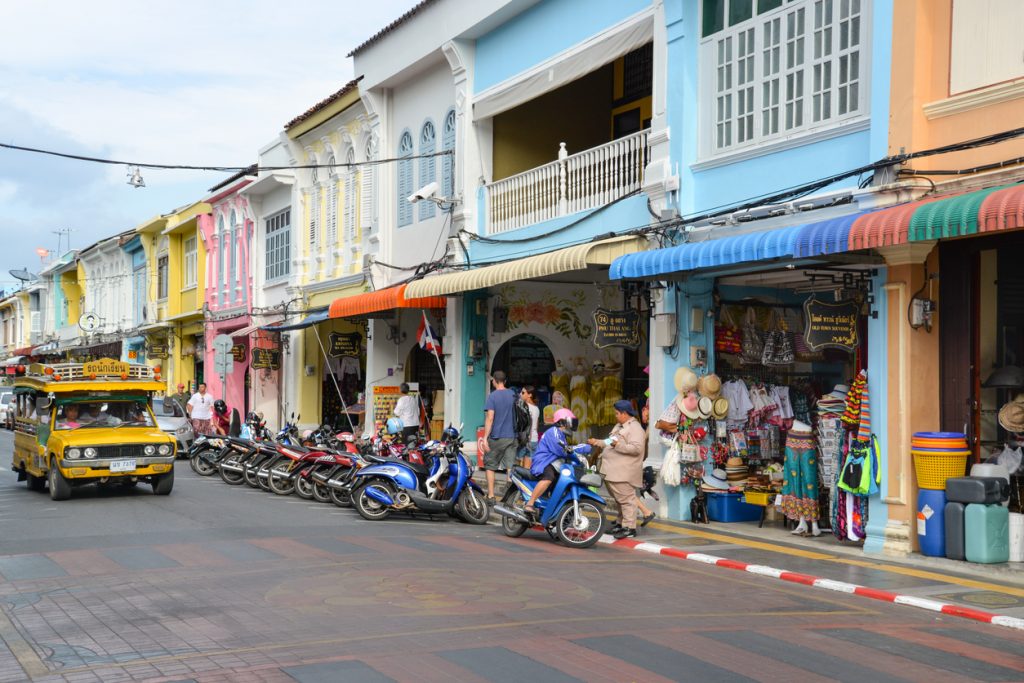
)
(238, 353)
(831, 325)
(616, 328)
(266, 359)
(345, 344)
(158, 351)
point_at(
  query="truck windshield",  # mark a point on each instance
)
(103, 413)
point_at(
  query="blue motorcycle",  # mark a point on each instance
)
(570, 512)
(442, 486)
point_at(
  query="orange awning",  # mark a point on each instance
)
(366, 305)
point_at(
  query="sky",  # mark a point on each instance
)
(192, 82)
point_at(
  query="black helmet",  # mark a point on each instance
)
(220, 407)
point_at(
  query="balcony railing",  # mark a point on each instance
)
(574, 183)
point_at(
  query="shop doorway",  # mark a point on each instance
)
(421, 366)
(526, 359)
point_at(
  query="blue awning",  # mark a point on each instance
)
(311, 319)
(798, 241)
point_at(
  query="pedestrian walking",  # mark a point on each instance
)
(499, 442)
(200, 410)
(622, 465)
(526, 451)
(182, 395)
(407, 409)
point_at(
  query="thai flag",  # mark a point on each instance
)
(426, 337)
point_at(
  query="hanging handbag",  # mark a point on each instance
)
(689, 450)
(753, 340)
(670, 469)
(778, 347)
(727, 335)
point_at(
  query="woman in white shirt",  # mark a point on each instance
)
(529, 394)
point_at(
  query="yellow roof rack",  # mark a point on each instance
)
(104, 368)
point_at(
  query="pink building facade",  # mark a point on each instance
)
(227, 234)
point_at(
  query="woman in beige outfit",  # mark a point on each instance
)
(622, 464)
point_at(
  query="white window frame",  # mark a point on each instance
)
(731, 102)
(191, 258)
(277, 246)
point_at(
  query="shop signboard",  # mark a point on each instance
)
(238, 353)
(831, 325)
(158, 351)
(345, 344)
(266, 359)
(616, 328)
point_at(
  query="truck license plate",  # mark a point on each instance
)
(122, 466)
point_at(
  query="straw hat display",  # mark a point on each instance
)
(1011, 416)
(685, 380)
(720, 408)
(710, 386)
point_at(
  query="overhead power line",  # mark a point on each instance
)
(220, 169)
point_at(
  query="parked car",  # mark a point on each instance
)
(171, 417)
(7, 407)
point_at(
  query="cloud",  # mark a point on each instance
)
(190, 82)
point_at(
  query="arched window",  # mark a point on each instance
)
(332, 203)
(448, 160)
(222, 260)
(314, 208)
(233, 255)
(350, 198)
(405, 181)
(428, 165)
(367, 183)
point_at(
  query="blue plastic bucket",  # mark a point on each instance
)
(931, 524)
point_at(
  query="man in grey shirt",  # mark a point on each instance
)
(499, 442)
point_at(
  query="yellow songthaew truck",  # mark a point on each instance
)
(89, 423)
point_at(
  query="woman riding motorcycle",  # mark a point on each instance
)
(221, 420)
(550, 448)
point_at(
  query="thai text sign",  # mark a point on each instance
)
(158, 351)
(345, 344)
(266, 359)
(238, 353)
(831, 326)
(616, 328)
(105, 367)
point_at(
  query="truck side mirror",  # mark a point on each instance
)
(43, 404)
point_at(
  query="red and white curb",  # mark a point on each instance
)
(816, 582)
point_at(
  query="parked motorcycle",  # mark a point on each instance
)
(570, 511)
(204, 454)
(443, 486)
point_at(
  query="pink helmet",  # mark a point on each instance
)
(565, 417)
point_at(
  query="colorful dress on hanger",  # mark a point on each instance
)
(800, 488)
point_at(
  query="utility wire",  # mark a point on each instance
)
(221, 169)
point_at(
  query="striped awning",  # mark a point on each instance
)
(579, 257)
(381, 301)
(798, 241)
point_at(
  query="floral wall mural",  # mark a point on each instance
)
(560, 312)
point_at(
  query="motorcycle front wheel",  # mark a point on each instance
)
(304, 487)
(367, 507)
(201, 465)
(582, 531)
(279, 481)
(230, 477)
(472, 507)
(510, 526)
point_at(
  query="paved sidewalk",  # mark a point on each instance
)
(998, 589)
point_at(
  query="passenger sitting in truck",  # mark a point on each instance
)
(69, 419)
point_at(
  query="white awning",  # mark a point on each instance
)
(13, 360)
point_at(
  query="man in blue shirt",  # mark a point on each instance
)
(499, 442)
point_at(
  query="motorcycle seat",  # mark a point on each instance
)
(524, 472)
(418, 469)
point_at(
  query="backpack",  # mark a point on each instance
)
(522, 422)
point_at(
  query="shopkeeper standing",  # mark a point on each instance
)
(622, 464)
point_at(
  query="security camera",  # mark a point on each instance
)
(425, 192)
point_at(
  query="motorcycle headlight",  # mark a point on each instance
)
(164, 450)
(73, 452)
(149, 450)
(91, 452)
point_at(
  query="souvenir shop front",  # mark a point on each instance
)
(765, 343)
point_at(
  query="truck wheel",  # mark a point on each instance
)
(60, 489)
(163, 484)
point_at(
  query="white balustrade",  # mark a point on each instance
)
(574, 183)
